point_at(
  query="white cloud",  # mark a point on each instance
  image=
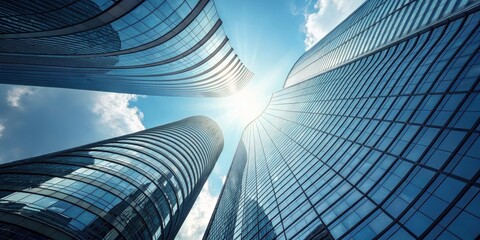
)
(116, 113)
(223, 179)
(198, 218)
(326, 14)
(348, 6)
(15, 95)
(1, 129)
(88, 116)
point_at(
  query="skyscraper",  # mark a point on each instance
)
(223, 222)
(376, 134)
(138, 186)
(175, 48)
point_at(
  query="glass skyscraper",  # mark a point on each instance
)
(152, 47)
(376, 134)
(138, 186)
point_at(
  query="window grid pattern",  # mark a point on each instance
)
(366, 30)
(223, 221)
(62, 13)
(149, 47)
(139, 186)
(384, 147)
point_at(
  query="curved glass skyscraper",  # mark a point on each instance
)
(138, 186)
(152, 47)
(376, 134)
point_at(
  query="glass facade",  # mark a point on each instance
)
(152, 47)
(381, 144)
(138, 186)
(376, 24)
(224, 220)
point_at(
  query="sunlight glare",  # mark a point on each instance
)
(247, 105)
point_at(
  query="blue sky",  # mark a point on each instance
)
(269, 36)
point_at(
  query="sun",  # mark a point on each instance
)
(247, 105)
